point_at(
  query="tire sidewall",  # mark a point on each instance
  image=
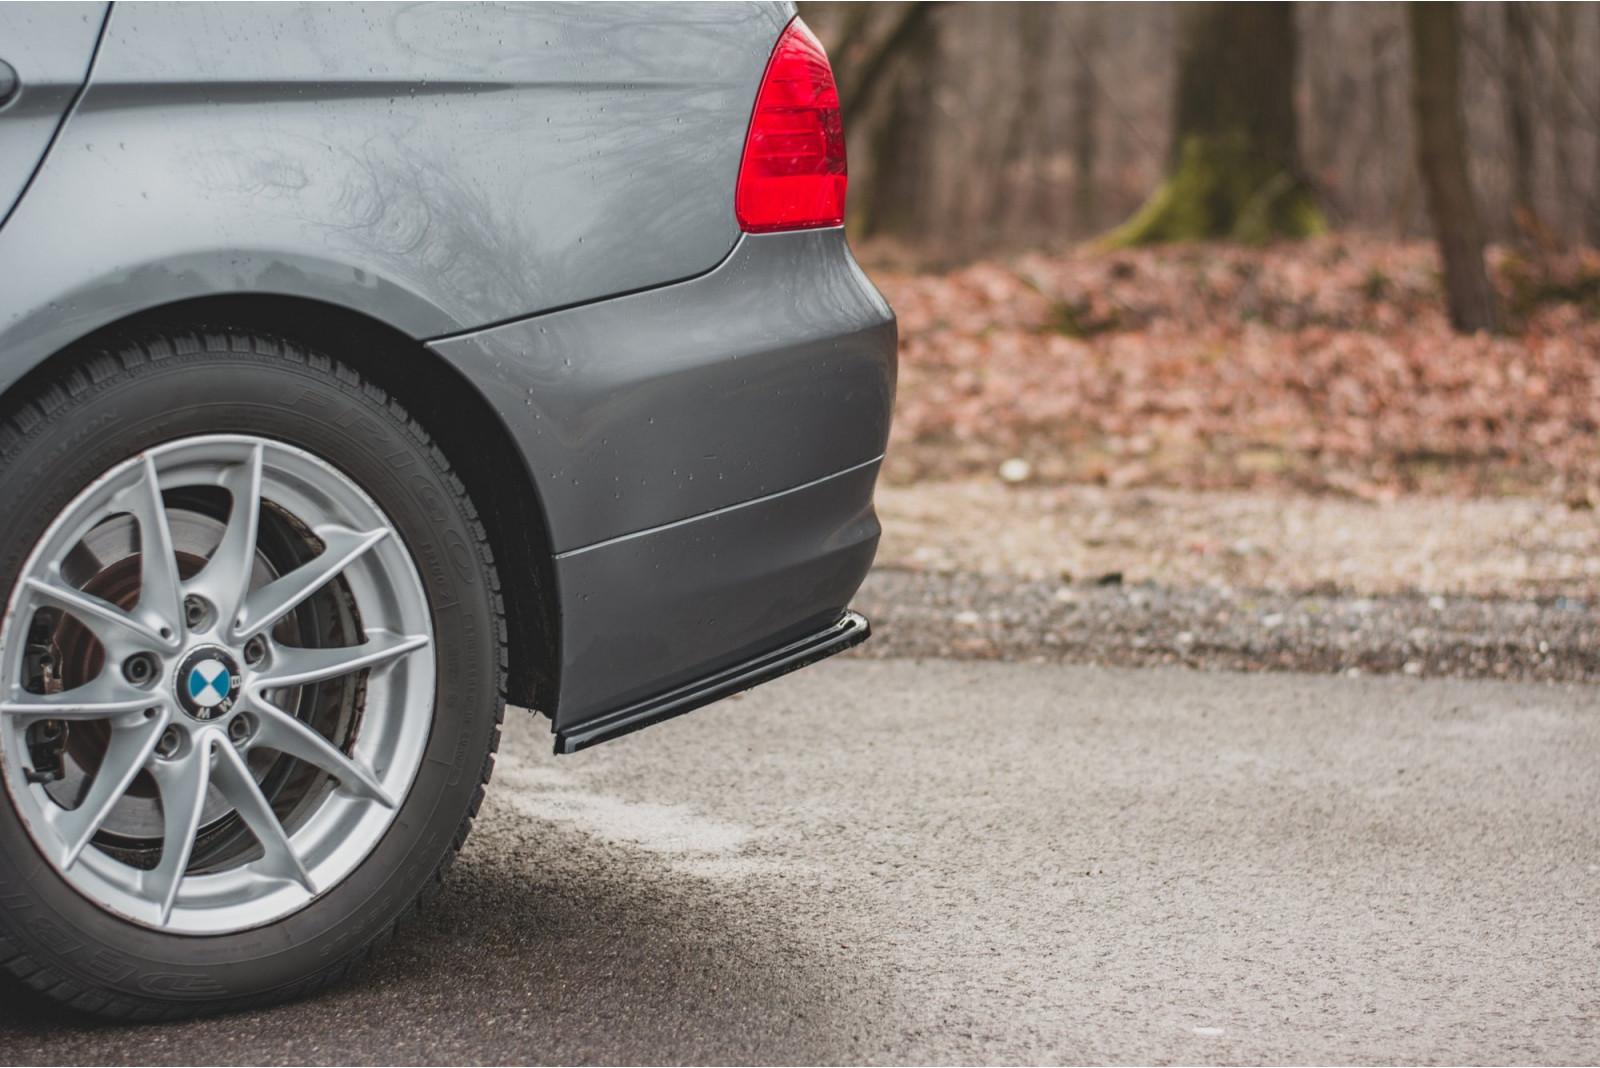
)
(314, 405)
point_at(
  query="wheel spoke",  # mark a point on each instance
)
(279, 731)
(115, 628)
(182, 784)
(128, 751)
(264, 607)
(104, 695)
(297, 667)
(154, 567)
(160, 595)
(232, 777)
(225, 579)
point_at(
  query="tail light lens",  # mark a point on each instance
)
(793, 175)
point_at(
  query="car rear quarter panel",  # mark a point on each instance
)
(775, 369)
(438, 167)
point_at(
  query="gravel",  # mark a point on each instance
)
(1420, 586)
(967, 616)
(1516, 547)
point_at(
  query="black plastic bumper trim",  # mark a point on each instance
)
(851, 629)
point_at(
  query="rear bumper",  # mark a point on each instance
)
(647, 614)
(850, 630)
(705, 454)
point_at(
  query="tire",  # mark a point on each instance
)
(360, 720)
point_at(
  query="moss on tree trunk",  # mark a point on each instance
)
(1235, 168)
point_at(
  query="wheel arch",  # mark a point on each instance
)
(447, 405)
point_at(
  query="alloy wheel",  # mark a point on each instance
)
(218, 684)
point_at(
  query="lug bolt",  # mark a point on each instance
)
(194, 612)
(167, 747)
(139, 669)
(255, 650)
(45, 732)
(240, 730)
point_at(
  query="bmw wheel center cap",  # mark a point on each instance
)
(208, 683)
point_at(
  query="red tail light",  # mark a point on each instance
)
(793, 173)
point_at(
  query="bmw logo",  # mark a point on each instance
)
(208, 683)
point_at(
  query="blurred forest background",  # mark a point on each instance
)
(1328, 246)
(1000, 126)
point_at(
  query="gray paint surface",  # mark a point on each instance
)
(1139, 867)
(775, 369)
(48, 48)
(438, 167)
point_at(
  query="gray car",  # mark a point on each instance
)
(363, 368)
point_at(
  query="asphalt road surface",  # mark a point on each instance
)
(893, 861)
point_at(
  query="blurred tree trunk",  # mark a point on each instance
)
(1565, 38)
(860, 84)
(1594, 191)
(1441, 142)
(1016, 183)
(1085, 110)
(1235, 164)
(892, 201)
(1519, 115)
